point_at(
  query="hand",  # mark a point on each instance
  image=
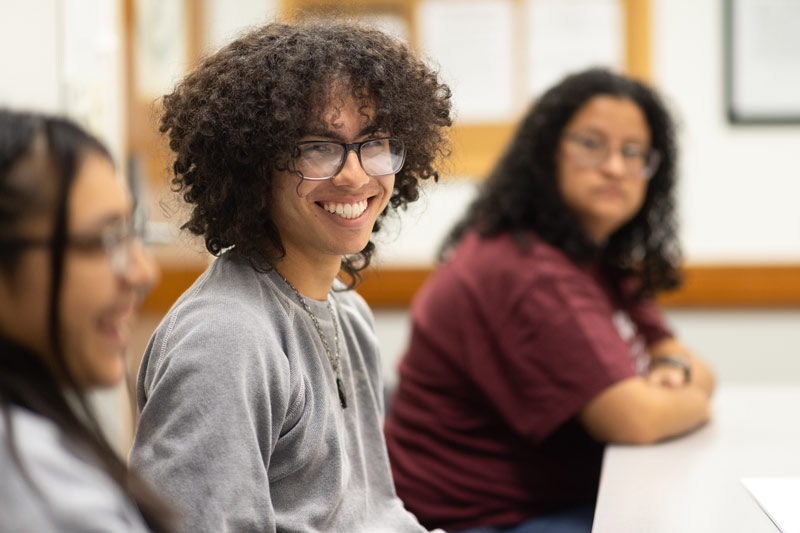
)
(668, 376)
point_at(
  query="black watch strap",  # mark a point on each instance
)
(673, 360)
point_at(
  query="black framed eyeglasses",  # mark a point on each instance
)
(322, 160)
(592, 151)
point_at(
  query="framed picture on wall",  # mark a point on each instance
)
(762, 61)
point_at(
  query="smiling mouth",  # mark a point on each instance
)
(116, 325)
(343, 210)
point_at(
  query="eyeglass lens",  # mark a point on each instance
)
(118, 243)
(324, 159)
(593, 150)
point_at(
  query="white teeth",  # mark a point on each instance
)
(346, 210)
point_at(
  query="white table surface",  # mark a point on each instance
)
(693, 483)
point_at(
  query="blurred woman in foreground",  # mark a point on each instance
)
(72, 270)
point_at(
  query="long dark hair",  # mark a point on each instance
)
(39, 158)
(238, 117)
(521, 193)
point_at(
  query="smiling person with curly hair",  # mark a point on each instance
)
(260, 396)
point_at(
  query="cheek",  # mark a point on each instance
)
(294, 188)
(387, 184)
(290, 200)
(89, 285)
(281, 210)
(89, 292)
(295, 191)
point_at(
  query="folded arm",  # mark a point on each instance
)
(644, 410)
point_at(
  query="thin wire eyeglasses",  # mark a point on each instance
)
(117, 242)
(322, 160)
(592, 151)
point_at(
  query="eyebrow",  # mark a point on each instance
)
(591, 130)
(325, 132)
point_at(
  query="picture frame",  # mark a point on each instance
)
(762, 61)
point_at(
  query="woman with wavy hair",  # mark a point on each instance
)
(538, 339)
(71, 273)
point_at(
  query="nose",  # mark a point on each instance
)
(142, 272)
(352, 174)
(614, 165)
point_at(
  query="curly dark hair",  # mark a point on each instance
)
(239, 116)
(521, 193)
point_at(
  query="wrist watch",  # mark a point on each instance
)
(678, 361)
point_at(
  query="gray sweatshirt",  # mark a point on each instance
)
(240, 423)
(70, 493)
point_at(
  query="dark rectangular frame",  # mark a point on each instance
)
(739, 116)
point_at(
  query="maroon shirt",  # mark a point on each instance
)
(506, 348)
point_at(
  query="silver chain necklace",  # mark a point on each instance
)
(334, 359)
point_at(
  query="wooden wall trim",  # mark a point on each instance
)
(706, 286)
(637, 38)
(747, 286)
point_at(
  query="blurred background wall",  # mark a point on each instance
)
(107, 62)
